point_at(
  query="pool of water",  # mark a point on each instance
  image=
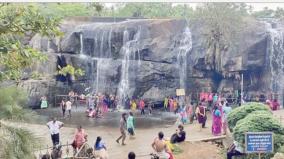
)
(111, 119)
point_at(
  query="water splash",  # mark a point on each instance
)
(183, 50)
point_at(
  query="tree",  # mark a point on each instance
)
(62, 10)
(152, 10)
(17, 26)
(96, 7)
(18, 23)
(221, 22)
(265, 13)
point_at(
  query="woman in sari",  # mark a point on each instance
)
(217, 121)
(201, 115)
(171, 103)
(183, 115)
(275, 105)
(80, 138)
(133, 105)
(175, 104)
(105, 104)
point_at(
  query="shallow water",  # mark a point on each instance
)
(110, 119)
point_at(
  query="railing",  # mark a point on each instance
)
(82, 153)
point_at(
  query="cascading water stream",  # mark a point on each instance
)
(102, 45)
(109, 42)
(183, 49)
(129, 49)
(81, 44)
(276, 59)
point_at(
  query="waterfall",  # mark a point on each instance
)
(183, 49)
(124, 81)
(276, 59)
(129, 49)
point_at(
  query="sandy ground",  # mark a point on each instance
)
(141, 145)
(199, 150)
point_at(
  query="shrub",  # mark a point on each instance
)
(15, 142)
(12, 102)
(260, 121)
(242, 111)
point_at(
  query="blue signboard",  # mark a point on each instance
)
(259, 142)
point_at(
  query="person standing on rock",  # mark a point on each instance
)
(122, 129)
(54, 127)
(69, 107)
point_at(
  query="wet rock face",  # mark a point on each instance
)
(152, 72)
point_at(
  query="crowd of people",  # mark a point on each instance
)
(186, 110)
(162, 146)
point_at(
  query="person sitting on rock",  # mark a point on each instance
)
(179, 136)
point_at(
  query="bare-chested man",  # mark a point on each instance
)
(160, 146)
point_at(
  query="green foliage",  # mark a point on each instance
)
(36, 75)
(11, 104)
(270, 13)
(152, 10)
(15, 142)
(97, 8)
(176, 149)
(71, 71)
(241, 112)
(18, 23)
(260, 122)
(62, 10)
